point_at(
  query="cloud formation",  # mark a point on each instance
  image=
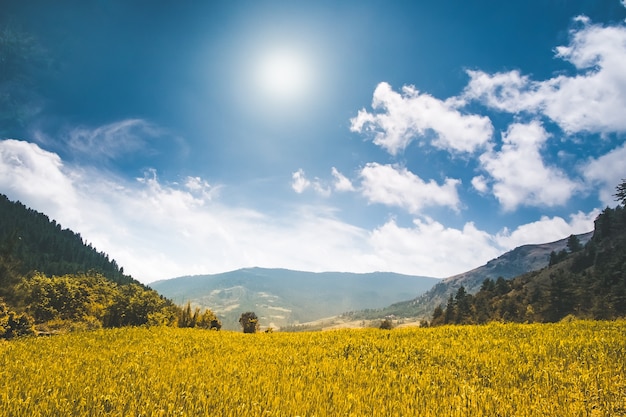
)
(592, 100)
(546, 229)
(512, 168)
(158, 230)
(300, 183)
(397, 186)
(411, 115)
(604, 172)
(518, 172)
(341, 182)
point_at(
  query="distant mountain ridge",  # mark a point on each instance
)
(518, 261)
(282, 297)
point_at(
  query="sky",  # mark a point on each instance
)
(423, 138)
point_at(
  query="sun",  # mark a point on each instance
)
(284, 75)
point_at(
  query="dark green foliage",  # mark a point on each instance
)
(13, 324)
(588, 282)
(206, 320)
(386, 324)
(49, 274)
(92, 300)
(573, 244)
(620, 194)
(40, 244)
(249, 322)
(555, 258)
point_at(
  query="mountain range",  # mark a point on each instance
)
(282, 297)
(509, 265)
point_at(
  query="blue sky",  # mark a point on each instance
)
(417, 137)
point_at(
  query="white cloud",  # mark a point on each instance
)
(519, 173)
(112, 140)
(341, 183)
(546, 230)
(509, 91)
(606, 173)
(397, 186)
(198, 186)
(594, 100)
(299, 181)
(432, 248)
(157, 230)
(413, 115)
(480, 184)
(26, 170)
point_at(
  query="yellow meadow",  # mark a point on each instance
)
(565, 369)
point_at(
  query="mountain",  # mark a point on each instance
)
(282, 297)
(518, 261)
(585, 282)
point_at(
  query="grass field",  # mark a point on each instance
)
(565, 369)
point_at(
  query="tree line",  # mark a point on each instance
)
(44, 245)
(51, 281)
(583, 281)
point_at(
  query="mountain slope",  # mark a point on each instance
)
(518, 261)
(588, 282)
(282, 297)
(41, 244)
(49, 277)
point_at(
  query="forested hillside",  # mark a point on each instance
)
(51, 281)
(585, 281)
(41, 244)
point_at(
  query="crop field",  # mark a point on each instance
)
(564, 369)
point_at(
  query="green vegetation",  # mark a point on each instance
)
(199, 319)
(584, 282)
(52, 282)
(42, 245)
(249, 322)
(564, 369)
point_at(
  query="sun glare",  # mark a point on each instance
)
(284, 75)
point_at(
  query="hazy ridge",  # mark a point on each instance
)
(284, 297)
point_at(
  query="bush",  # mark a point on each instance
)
(386, 325)
(14, 324)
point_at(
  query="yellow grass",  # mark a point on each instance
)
(565, 369)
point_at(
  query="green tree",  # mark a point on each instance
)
(573, 244)
(449, 313)
(186, 317)
(9, 266)
(13, 324)
(438, 315)
(463, 306)
(620, 195)
(249, 322)
(386, 324)
(208, 320)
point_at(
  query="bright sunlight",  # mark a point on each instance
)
(284, 75)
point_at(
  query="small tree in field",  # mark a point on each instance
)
(386, 324)
(249, 322)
